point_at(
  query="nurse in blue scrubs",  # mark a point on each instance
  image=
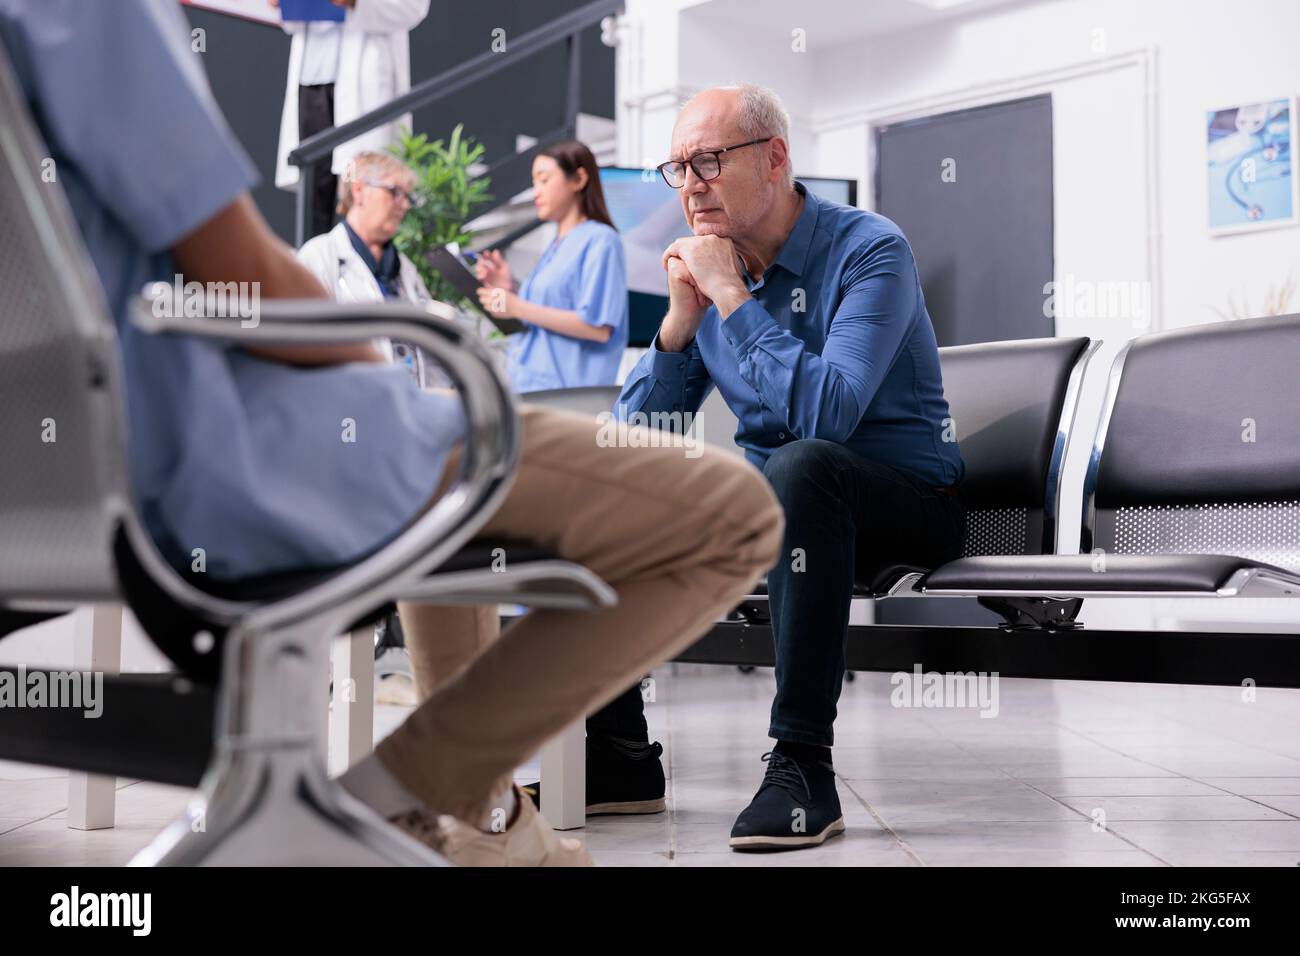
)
(574, 302)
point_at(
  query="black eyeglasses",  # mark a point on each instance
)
(414, 200)
(707, 165)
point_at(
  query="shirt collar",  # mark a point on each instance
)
(793, 256)
(386, 268)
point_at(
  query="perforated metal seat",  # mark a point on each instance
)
(1143, 575)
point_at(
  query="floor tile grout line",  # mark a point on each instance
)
(899, 841)
(672, 782)
(1095, 692)
(1054, 799)
(1252, 798)
(1177, 774)
(980, 760)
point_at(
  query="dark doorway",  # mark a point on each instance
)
(972, 191)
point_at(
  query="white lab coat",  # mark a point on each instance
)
(332, 258)
(374, 67)
(334, 261)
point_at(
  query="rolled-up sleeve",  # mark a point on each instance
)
(125, 100)
(825, 396)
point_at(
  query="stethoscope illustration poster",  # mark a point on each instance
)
(1251, 166)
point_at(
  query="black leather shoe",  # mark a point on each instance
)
(796, 806)
(622, 777)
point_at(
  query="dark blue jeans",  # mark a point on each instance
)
(845, 517)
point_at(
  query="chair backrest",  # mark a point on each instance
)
(1012, 406)
(1198, 447)
(62, 476)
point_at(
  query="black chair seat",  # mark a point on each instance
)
(480, 554)
(475, 556)
(171, 625)
(11, 621)
(1071, 574)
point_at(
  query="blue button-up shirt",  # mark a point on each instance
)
(835, 344)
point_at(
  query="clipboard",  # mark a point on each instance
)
(466, 283)
(311, 10)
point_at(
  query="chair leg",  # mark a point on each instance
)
(266, 800)
(564, 778)
(352, 723)
(97, 646)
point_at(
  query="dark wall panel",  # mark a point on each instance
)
(983, 242)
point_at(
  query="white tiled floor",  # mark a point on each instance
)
(1066, 774)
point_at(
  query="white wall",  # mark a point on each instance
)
(53, 645)
(1131, 82)
(1206, 54)
(1187, 56)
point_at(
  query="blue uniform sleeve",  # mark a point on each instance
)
(665, 382)
(601, 297)
(826, 395)
(124, 98)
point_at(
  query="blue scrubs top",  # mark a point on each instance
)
(585, 273)
(245, 458)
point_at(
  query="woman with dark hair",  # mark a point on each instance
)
(574, 302)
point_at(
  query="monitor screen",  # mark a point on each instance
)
(648, 215)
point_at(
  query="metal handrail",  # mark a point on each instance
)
(564, 28)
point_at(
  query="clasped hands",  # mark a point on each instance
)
(707, 267)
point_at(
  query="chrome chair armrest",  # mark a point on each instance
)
(487, 468)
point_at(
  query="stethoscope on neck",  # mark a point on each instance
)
(344, 265)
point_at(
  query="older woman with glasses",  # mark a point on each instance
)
(357, 260)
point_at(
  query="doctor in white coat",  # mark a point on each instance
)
(357, 260)
(340, 71)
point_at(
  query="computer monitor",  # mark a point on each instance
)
(648, 215)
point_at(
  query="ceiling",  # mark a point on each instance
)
(844, 20)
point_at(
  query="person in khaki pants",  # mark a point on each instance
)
(681, 540)
(238, 450)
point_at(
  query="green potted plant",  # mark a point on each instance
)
(450, 196)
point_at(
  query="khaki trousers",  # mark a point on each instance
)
(680, 536)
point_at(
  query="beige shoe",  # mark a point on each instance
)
(529, 841)
(396, 689)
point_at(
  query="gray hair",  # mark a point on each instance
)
(763, 114)
(371, 165)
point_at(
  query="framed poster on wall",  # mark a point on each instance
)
(1250, 165)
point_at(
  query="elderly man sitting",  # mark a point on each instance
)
(808, 317)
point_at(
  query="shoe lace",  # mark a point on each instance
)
(785, 772)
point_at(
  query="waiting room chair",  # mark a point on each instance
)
(1013, 405)
(1193, 482)
(249, 702)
